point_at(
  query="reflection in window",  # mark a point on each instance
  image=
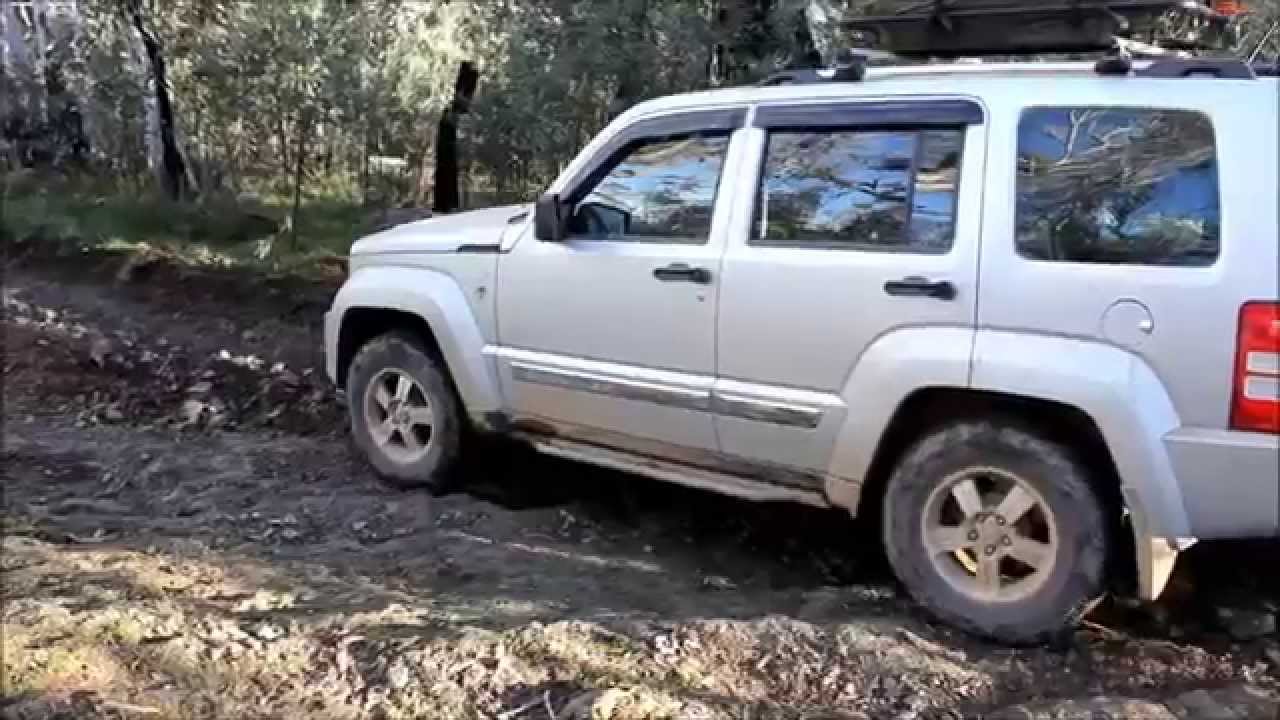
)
(660, 189)
(1113, 185)
(891, 190)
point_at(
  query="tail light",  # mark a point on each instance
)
(1255, 403)
(1228, 7)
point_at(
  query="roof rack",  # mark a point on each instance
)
(956, 28)
(851, 66)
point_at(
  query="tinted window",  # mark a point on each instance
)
(1110, 185)
(874, 190)
(660, 189)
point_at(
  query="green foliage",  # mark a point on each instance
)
(336, 102)
(82, 216)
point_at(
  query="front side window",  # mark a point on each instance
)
(890, 190)
(1117, 185)
(660, 190)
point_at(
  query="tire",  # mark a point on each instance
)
(1035, 606)
(430, 460)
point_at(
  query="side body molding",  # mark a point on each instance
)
(436, 298)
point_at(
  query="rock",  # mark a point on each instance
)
(398, 675)
(267, 632)
(1244, 624)
(718, 582)
(113, 413)
(88, 505)
(99, 349)
(201, 388)
(191, 412)
(1273, 654)
(1096, 708)
(1238, 702)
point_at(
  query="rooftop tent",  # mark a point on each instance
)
(948, 28)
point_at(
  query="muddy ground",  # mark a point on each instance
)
(188, 535)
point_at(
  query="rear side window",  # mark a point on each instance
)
(1128, 186)
(887, 190)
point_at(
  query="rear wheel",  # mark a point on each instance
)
(404, 414)
(997, 530)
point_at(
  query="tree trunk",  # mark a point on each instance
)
(299, 165)
(174, 174)
(448, 196)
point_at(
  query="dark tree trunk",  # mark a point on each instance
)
(746, 40)
(805, 53)
(299, 167)
(447, 193)
(175, 169)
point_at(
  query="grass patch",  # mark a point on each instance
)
(216, 231)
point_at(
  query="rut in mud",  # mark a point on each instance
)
(188, 535)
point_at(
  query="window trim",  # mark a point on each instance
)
(901, 249)
(718, 122)
(722, 120)
(1017, 157)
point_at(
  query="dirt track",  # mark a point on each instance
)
(188, 535)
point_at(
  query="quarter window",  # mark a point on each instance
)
(660, 190)
(860, 189)
(1117, 185)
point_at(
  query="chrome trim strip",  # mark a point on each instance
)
(760, 403)
(612, 386)
(776, 413)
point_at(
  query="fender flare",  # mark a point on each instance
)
(438, 300)
(1114, 387)
(893, 366)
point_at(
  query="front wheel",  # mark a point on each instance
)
(998, 531)
(404, 413)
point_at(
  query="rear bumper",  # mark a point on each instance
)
(1230, 481)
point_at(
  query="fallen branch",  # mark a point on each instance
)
(127, 707)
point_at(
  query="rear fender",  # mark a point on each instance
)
(1115, 388)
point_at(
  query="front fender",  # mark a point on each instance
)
(1114, 387)
(437, 299)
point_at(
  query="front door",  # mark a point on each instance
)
(609, 336)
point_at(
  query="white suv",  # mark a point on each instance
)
(1026, 315)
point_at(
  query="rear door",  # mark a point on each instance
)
(855, 220)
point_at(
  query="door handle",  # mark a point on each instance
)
(916, 286)
(680, 272)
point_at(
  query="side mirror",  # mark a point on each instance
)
(548, 219)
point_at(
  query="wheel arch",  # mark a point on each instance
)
(1098, 396)
(431, 307)
(1057, 422)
